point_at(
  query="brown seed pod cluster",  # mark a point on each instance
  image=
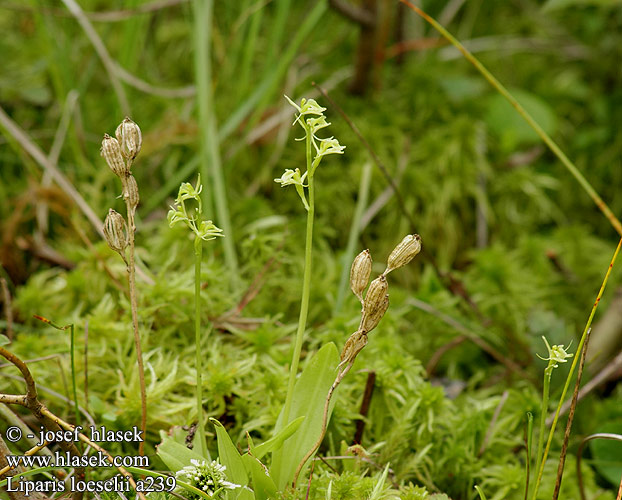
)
(119, 154)
(376, 301)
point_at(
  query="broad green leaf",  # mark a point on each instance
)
(607, 453)
(263, 485)
(511, 128)
(275, 442)
(175, 455)
(308, 400)
(229, 456)
(459, 88)
(4, 340)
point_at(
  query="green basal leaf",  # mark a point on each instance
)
(308, 400)
(275, 442)
(263, 485)
(175, 455)
(230, 457)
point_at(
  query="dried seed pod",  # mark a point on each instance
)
(111, 151)
(359, 273)
(404, 252)
(352, 347)
(370, 320)
(374, 299)
(115, 231)
(130, 138)
(130, 192)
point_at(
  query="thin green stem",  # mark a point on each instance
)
(528, 460)
(573, 366)
(613, 220)
(198, 254)
(543, 413)
(306, 288)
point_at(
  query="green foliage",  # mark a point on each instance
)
(493, 208)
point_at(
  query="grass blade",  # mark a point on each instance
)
(210, 150)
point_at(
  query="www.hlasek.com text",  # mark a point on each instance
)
(66, 459)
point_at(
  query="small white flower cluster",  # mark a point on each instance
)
(209, 477)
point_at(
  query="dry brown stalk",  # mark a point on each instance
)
(19, 468)
(119, 154)
(4, 452)
(67, 426)
(573, 406)
(50, 421)
(41, 413)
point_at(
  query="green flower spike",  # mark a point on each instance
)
(557, 354)
(311, 118)
(204, 229)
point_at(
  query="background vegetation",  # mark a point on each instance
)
(513, 247)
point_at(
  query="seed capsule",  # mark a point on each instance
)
(370, 320)
(130, 192)
(130, 138)
(353, 346)
(404, 252)
(115, 231)
(359, 273)
(374, 299)
(111, 151)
